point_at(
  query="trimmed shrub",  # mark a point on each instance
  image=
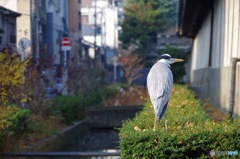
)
(191, 132)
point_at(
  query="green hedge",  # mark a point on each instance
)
(191, 133)
(73, 108)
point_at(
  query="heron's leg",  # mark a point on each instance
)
(166, 127)
(165, 122)
(155, 121)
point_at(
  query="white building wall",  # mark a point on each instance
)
(214, 81)
(226, 36)
(217, 38)
(107, 18)
(232, 26)
(200, 52)
(24, 28)
(110, 27)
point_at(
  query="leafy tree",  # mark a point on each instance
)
(169, 9)
(14, 120)
(11, 78)
(131, 65)
(143, 20)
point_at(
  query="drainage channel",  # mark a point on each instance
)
(99, 140)
(103, 135)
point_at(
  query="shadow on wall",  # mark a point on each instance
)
(214, 84)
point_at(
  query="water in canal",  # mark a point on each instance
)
(96, 140)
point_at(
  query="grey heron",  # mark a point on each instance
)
(159, 85)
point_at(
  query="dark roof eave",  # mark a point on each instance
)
(191, 16)
(9, 12)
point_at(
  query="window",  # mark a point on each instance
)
(12, 33)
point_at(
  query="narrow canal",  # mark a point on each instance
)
(102, 135)
(96, 136)
(96, 140)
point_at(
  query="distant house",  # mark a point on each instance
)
(214, 28)
(170, 38)
(8, 29)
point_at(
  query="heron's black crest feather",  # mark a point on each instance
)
(165, 56)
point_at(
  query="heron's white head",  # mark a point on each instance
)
(166, 58)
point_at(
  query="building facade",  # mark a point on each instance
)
(214, 28)
(8, 30)
(102, 29)
(74, 30)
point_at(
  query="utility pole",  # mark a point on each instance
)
(37, 33)
(95, 28)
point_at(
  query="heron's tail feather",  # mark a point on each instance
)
(160, 114)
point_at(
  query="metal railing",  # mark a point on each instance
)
(59, 154)
(233, 85)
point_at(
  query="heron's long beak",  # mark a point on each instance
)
(177, 60)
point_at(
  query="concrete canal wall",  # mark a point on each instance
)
(112, 116)
(61, 140)
(98, 117)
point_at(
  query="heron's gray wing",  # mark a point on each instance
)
(159, 84)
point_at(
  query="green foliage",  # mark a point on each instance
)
(14, 123)
(178, 68)
(73, 108)
(169, 13)
(191, 132)
(143, 20)
(11, 78)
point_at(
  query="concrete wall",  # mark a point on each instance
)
(60, 141)
(112, 116)
(212, 56)
(213, 84)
